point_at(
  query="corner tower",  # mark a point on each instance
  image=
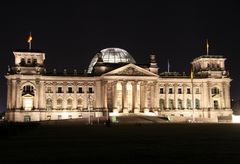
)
(28, 62)
(210, 66)
(25, 86)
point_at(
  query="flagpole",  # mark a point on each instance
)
(168, 66)
(30, 41)
(30, 45)
(207, 47)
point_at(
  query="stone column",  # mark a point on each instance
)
(13, 95)
(18, 94)
(64, 95)
(166, 96)
(135, 107)
(209, 102)
(156, 96)
(175, 96)
(114, 98)
(146, 95)
(222, 99)
(54, 101)
(85, 105)
(105, 86)
(227, 95)
(184, 103)
(152, 96)
(9, 94)
(42, 96)
(75, 90)
(124, 97)
(142, 90)
(37, 95)
(98, 95)
(205, 99)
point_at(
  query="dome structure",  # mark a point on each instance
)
(112, 55)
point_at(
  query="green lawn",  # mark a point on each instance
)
(119, 143)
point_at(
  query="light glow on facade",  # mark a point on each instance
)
(28, 103)
(116, 86)
(235, 118)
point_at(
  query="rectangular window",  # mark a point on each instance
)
(34, 61)
(80, 90)
(28, 61)
(59, 90)
(197, 91)
(70, 116)
(59, 117)
(90, 90)
(49, 90)
(188, 91)
(170, 91)
(189, 104)
(22, 61)
(179, 91)
(48, 117)
(70, 90)
(215, 103)
(27, 118)
(161, 91)
(197, 104)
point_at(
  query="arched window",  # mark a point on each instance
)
(69, 104)
(59, 103)
(79, 103)
(171, 104)
(28, 61)
(161, 104)
(28, 89)
(197, 103)
(180, 104)
(49, 104)
(215, 91)
(22, 63)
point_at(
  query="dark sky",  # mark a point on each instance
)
(72, 32)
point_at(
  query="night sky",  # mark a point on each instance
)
(71, 32)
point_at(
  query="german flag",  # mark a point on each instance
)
(29, 38)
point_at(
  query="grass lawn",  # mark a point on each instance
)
(119, 143)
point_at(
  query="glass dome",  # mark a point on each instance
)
(112, 55)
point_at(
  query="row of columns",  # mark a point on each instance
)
(147, 96)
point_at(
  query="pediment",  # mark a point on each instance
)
(130, 70)
(27, 95)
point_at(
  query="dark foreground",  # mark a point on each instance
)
(119, 143)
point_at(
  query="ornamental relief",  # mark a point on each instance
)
(131, 72)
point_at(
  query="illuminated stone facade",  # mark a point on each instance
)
(116, 87)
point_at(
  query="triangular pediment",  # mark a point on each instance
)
(27, 95)
(130, 70)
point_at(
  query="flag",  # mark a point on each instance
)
(168, 66)
(207, 47)
(30, 38)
